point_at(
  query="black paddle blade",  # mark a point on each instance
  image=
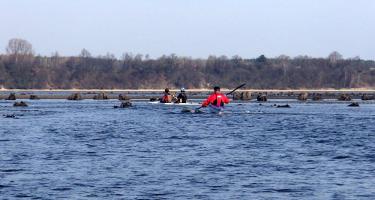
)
(240, 86)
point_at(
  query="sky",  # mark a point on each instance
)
(194, 28)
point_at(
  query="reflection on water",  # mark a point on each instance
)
(87, 149)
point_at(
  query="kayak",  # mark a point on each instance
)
(188, 110)
(175, 104)
(212, 109)
(216, 109)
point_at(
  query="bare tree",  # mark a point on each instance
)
(283, 57)
(85, 53)
(19, 50)
(19, 47)
(284, 62)
(334, 57)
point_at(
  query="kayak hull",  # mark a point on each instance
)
(216, 109)
(175, 104)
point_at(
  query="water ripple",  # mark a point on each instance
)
(88, 150)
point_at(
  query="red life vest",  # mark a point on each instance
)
(167, 98)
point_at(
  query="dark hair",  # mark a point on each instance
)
(216, 88)
(166, 90)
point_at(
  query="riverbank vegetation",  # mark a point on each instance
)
(21, 68)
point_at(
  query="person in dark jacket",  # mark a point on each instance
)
(181, 98)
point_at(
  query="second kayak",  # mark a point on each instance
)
(175, 104)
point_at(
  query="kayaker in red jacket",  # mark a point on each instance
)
(217, 99)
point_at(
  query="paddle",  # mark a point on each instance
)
(238, 87)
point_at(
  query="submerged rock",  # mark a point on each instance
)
(101, 96)
(12, 96)
(354, 104)
(75, 97)
(303, 96)
(10, 116)
(20, 104)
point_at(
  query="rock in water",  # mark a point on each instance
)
(354, 104)
(262, 97)
(20, 104)
(367, 97)
(126, 104)
(122, 97)
(101, 96)
(237, 96)
(317, 97)
(244, 96)
(303, 96)
(283, 106)
(34, 97)
(75, 97)
(12, 96)
(344, 97)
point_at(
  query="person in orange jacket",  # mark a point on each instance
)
(167, 98)
(216, 99)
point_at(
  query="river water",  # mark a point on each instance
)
(59, 149)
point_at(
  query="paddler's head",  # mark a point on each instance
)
(166, 90)
(216, 89)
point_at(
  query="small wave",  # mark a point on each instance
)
(341, 157)
(11, 170)
(22, 196)
(82, 185)
(283, 190)
(323, 141)
(62, 189)
(371, 157)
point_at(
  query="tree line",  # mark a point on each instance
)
(21, 68)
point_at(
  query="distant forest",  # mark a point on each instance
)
(21, 68)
